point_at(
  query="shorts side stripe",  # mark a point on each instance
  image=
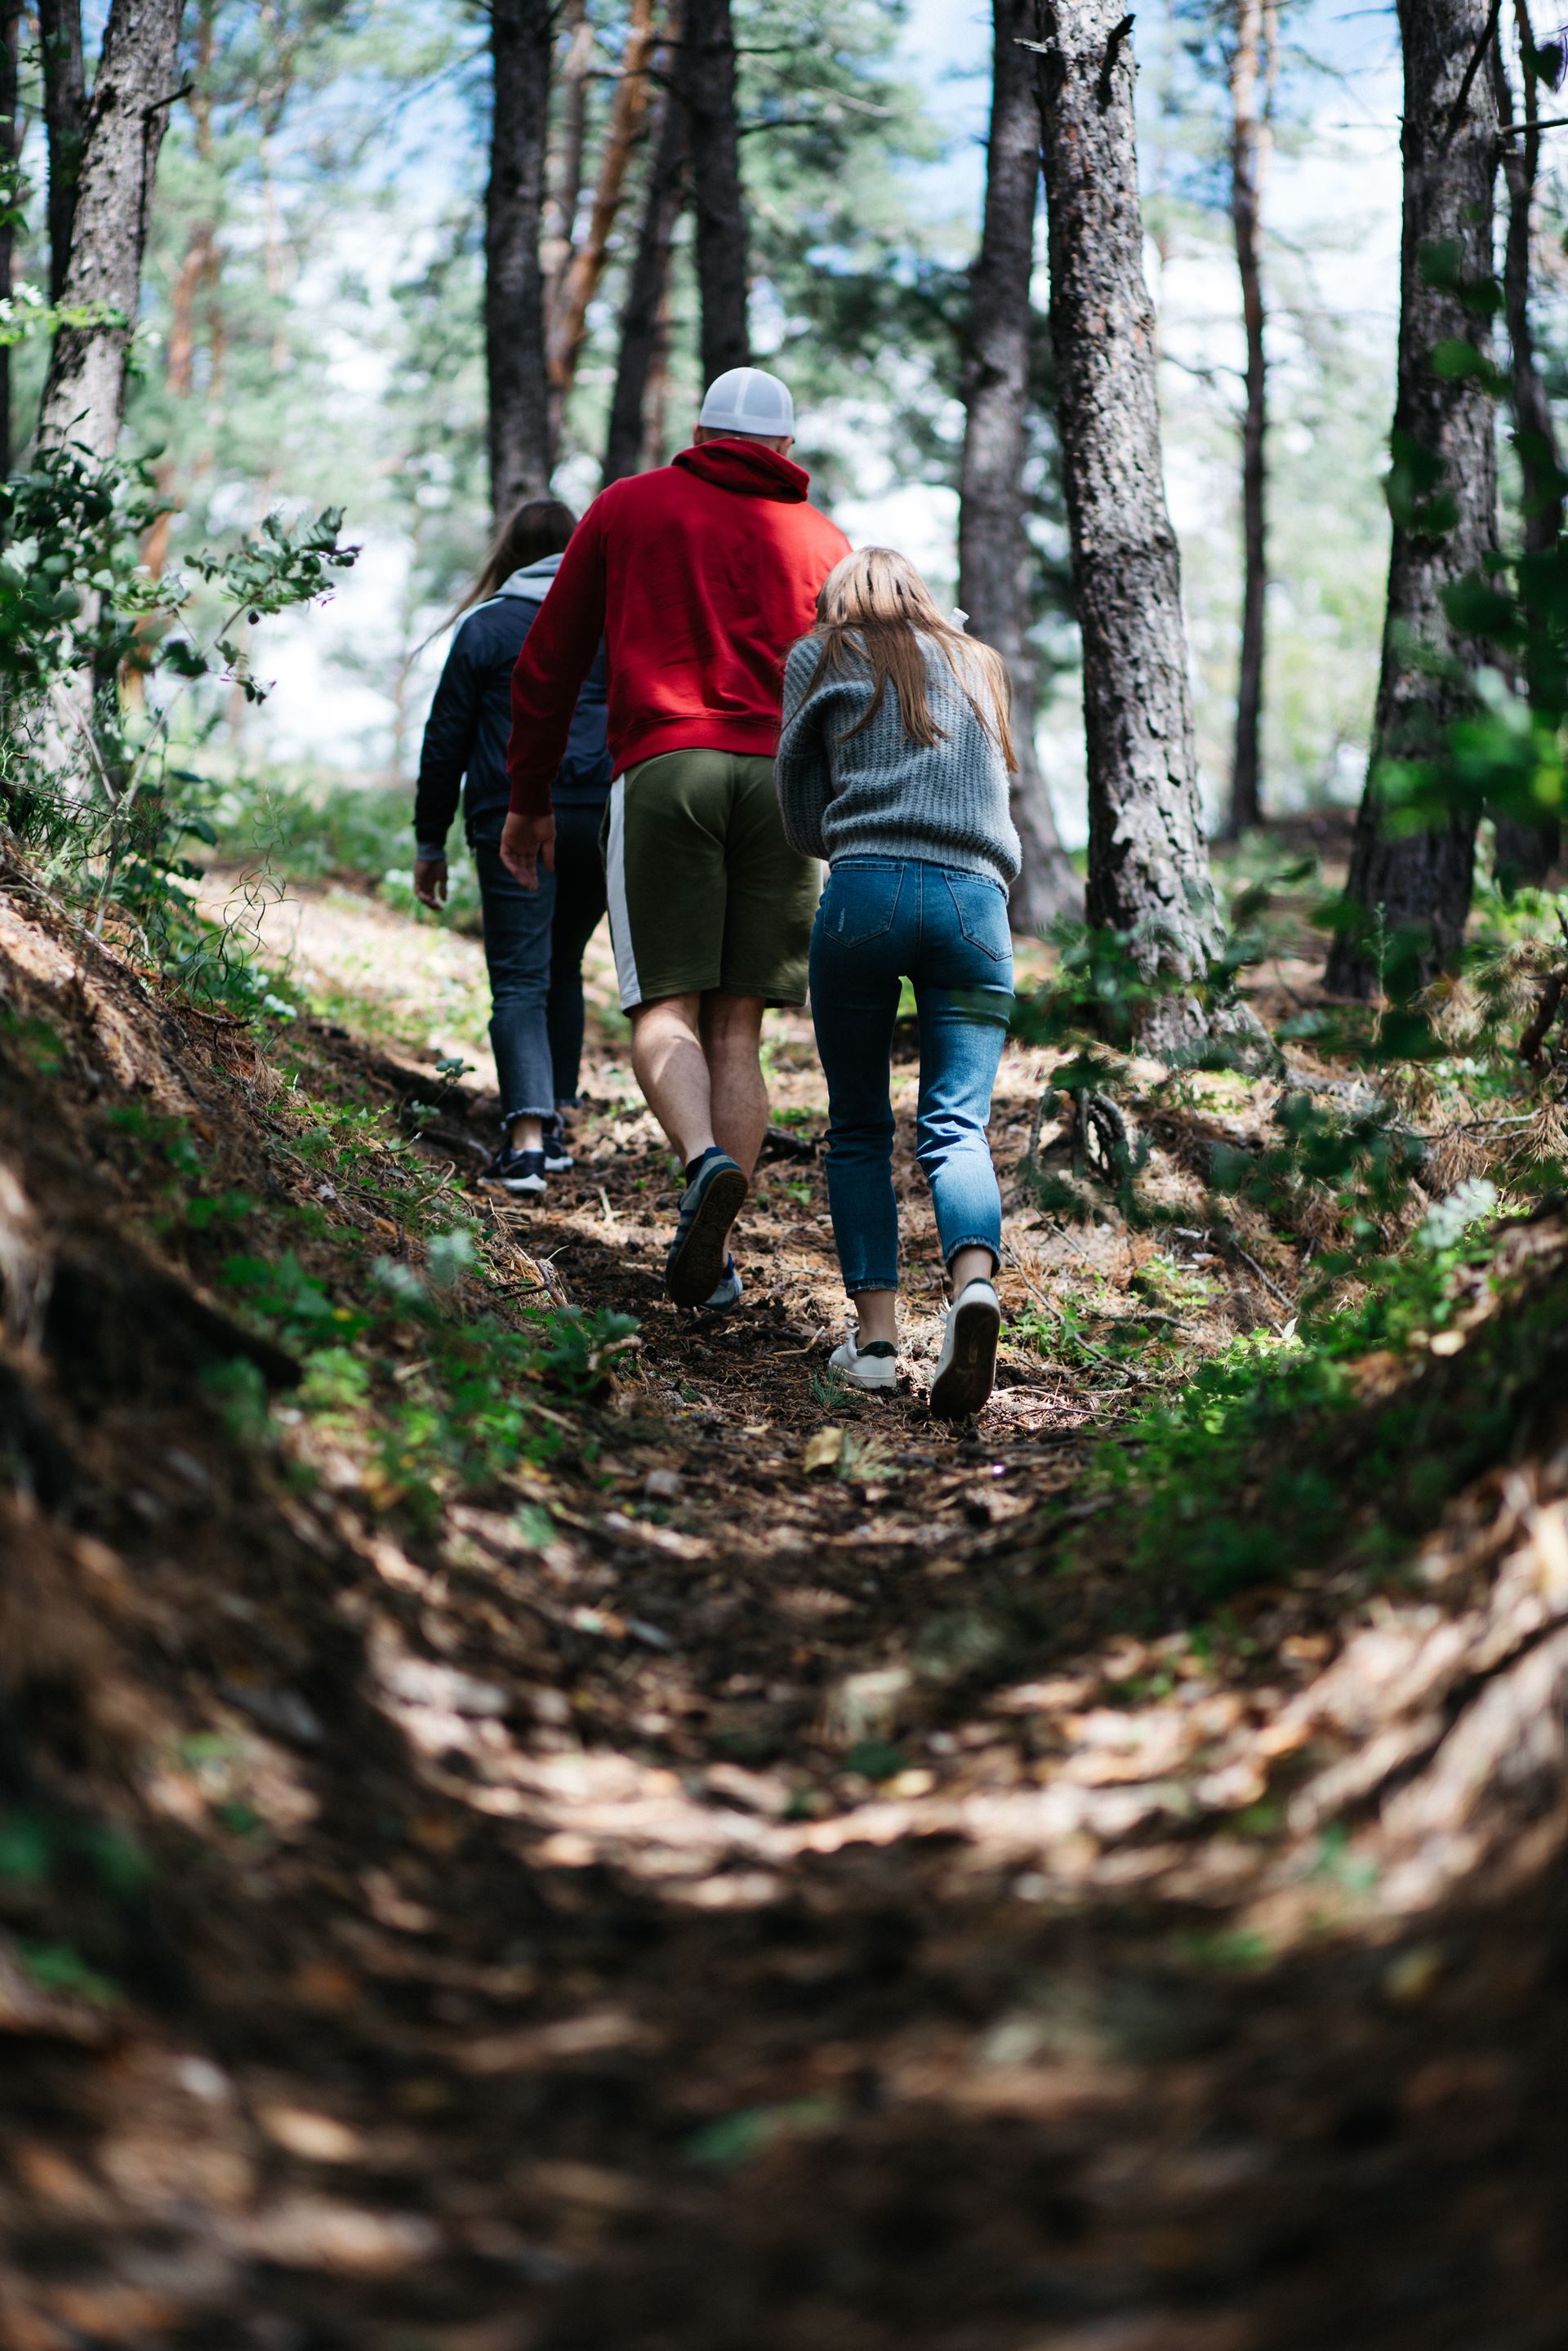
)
(615, 882)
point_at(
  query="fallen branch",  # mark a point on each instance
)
(1548, 1005)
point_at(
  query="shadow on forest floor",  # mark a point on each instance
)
(669, 1897)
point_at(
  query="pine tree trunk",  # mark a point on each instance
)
(1148, 864)
(10, 157)
(564, 167)
(1448, 144)
(1250, 73)
(568, 321)
(64, 124)
(520, 455)
(1528, 851)
(993, 549)
(84, 391)
(642, 318)
(707, 74)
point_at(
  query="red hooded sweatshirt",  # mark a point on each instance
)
(699, 577)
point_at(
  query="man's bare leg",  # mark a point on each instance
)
(731, 1029)
(697, 1061)
(669, 1064)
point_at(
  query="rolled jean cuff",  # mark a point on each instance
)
(508, 1115)
(869, 1281)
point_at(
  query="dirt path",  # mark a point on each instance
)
(694, 1900)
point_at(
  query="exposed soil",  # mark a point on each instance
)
(678, 1898)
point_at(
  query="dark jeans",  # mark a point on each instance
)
(882, 921)
(579, 911)
(517, 924)
(534, 941)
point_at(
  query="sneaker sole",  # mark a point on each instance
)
(520, 1187)
(696, 1269)
(962, 1386)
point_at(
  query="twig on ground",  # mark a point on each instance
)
(1548, 1006)
(784, 1352)
(1228, 1244)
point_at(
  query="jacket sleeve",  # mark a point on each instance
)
(557, 653)
(450, 733)
(801, 775)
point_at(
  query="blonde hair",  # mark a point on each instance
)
(872, 609)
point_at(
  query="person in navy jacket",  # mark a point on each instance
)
(534, 940)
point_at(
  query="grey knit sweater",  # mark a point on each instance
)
(880, 795)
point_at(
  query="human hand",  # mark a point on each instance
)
(526, 844)
(429, 880)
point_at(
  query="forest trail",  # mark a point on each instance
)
(741, 1877)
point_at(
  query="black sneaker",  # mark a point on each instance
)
(698, 1260)
(558, 1158)
(520, 1172)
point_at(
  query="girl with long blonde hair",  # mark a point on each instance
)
(894, 765)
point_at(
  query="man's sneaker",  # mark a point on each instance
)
(521, 1172)
(967, 1366)
(709, 1206)
(873, 1366)
(558, 1157)
(729, 1294)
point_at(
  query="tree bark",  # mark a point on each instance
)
(1448, 144)
(1527, 850)
(520, 455)
(568, 320)
(64, 125)
(707, 75)
(1148, 863)
(643, 317)
(10, 162)
(993, 548)
(1252, 73)
(84, 391)
(565, 176)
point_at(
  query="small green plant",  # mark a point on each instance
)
(830, 1389)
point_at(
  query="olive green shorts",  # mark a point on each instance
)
(704, 891)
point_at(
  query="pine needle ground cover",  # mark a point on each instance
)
(507, 1789)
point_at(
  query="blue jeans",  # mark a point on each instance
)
(883, 920)
(517, 926)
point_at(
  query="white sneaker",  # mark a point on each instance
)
(875, 1366)
(967, 1367)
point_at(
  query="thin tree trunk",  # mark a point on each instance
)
(1148, 864)
(993, 549)
(520, 455)
(568, 323)
(10, 160)
(84, 391)
(64, 125)
(706, 73)
(566, 178)
(1527, 850)
(1251, 70)
(643, 317)
(1444, 529)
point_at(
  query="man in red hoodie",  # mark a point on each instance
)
(699, 577)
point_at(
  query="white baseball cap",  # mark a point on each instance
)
(748, 400)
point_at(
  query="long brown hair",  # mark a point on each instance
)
(872, 609)
(538, 526)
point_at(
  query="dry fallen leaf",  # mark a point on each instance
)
(824, 1450)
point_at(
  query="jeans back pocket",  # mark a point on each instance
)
(860, 903)
(980, 910)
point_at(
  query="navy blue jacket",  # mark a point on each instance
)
(471, 719)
